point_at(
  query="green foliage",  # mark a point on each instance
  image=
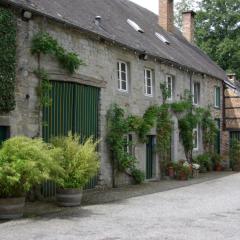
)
(164, 132)
(79, 161)
(209, 131)
(148, 122)
(45, 87)
(138, 175)
(218, 32)
(180, 7)
(180, 107)
(7, 60)
(118, 128)
(24, 163)
(181, 169)
(235, 154)
(165, 91)
(204, 160)
(216, 159)
(46, 44)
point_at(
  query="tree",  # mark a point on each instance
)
(180, 7)
(218, 32)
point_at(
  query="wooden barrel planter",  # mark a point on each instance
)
(11, 208)
(69, 197)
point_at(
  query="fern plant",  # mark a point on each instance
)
(79, 161)
(25, 162)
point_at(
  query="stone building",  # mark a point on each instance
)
(128, 52)
(231, 115)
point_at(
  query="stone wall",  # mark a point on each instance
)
(101, 65)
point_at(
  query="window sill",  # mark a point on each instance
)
(217, 108)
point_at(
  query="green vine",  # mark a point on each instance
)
(119, 127)
(7, 60)
(46, 44)
(43, 43)
(44, 88)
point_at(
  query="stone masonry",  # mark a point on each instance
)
(101, 66)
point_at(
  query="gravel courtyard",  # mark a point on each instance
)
(205, 211)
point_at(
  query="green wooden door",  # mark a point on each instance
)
(150, 157)
(4, 132)
(74, 108)
(218, 137)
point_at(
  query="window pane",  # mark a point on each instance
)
(124, 85)
(149, 82)
(123, 67)
(149, 90)
(123, 76)
(169, 87)
(148, 74)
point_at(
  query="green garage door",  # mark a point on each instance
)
(150, 157)
(4, 134)
(75, 108)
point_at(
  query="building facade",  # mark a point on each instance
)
(116, 71)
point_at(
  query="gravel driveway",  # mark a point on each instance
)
(206, 211)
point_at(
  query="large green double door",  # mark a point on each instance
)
(74, 108)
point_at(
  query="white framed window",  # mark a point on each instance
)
(122, 71)
(217, 97)
(196, 93)
(128, 144)
(148, 82)
(169, 86)
(195, 138)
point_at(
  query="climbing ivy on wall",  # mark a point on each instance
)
(119, 126)
(44, 43)
(7, 60)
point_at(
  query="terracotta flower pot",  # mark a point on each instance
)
(171, 172)
(11, 208)
(183, 176)
(69, 197)
(218, 167)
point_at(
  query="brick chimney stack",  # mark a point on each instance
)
(166, 15)
(188, 25)
(232, 77)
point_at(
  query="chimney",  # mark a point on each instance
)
(166, 15)
(232, 77)
(188, 25)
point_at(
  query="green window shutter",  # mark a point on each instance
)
(217, 97)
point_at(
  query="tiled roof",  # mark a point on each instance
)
(114, 26)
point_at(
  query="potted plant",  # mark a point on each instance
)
(170, 168)
(182, 171)
(204, 160)
(195, 169)
(80, 162)
(217, 162)
(24, 163)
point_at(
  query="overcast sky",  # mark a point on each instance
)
(149, 4)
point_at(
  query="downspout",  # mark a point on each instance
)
(223, 106)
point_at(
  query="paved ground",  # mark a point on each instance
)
(206, 211)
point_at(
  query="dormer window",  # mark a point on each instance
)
(162, 38)
(135, 26)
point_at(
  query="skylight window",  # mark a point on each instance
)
(135, 26)
(162, 38)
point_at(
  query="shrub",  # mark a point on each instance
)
(79, 161)
(204, 160)
(25, 162)
(138, 175)
(182, 169)
(216, 159)
(235, 154)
